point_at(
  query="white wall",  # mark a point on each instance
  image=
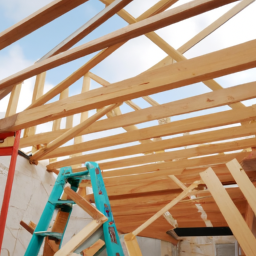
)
(31, 189)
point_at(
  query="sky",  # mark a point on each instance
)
(134, 57)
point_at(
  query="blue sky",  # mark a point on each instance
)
(134, 57)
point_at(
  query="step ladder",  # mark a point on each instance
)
(101, 234)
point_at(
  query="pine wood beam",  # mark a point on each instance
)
(176, 55)
(85, 205)
(175, 167)
(70, 134)
(94, 248)
(165, 209)
(36, 20)
(207, 31)
(234, 59)
(243, 182)
(230, 212)
(212, 99)
(153, 23)
(88, 27)
(191, 124)
(13, 101)
(79, 238)
(77, 74)
(184, 153)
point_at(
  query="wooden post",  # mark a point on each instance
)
(230, 212)
(244, 183)
(13, 101)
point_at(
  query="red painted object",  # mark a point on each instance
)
(9, 182)
(6, 151)
(6, 134)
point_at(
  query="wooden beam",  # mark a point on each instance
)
(36, 20)
(153, 23)
(5, 91)
(214, 99)
(13, 101)
(70, 134)
(27, 227)
(160, 6)
(94, 248)
(78, 239)
(192, 124)
(166, 208)
(132, 245)
(175, 167)
(77, 74)
(199, 138)
(243, 182)
(88, 27)
(74, 76)
(230, 212)
(37, 93)
(85, 205)
(207, 31)
(176, 55)
(234, 59)
(179, 154)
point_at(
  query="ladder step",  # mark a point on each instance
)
(46, 233)
(60, 202)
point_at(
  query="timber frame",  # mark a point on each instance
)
(157, 171)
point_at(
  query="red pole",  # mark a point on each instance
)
(8, 187)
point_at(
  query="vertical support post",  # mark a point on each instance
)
(8, 187)
(84, 115)
(13, 101)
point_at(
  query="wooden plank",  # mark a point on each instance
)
(206, 32)
(27, 227)
(36, 20)
(160, 6)
(86, 206)
(234, 59)
(75, 76)
(79, 238)
(153, 23)
(13, 101)
(139, 116)
(201, 122)
(94, 248)
(132, 245)
(215, 25)
(243, 182)
(5, 91)
(178, 182)
(70, 134)
(230, 212)
(176, 55)
(169, 168)
(88, 27)
(200, 138)
(37, 93)
(166, 208)
(178, 154)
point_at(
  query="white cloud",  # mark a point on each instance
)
(10, 63)
(17, 10)
(131, 59)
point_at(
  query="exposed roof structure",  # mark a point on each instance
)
(181, 137)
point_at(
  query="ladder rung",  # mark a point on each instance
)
(46, 233)
(62, 202)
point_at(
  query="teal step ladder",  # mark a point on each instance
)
(107, 233)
